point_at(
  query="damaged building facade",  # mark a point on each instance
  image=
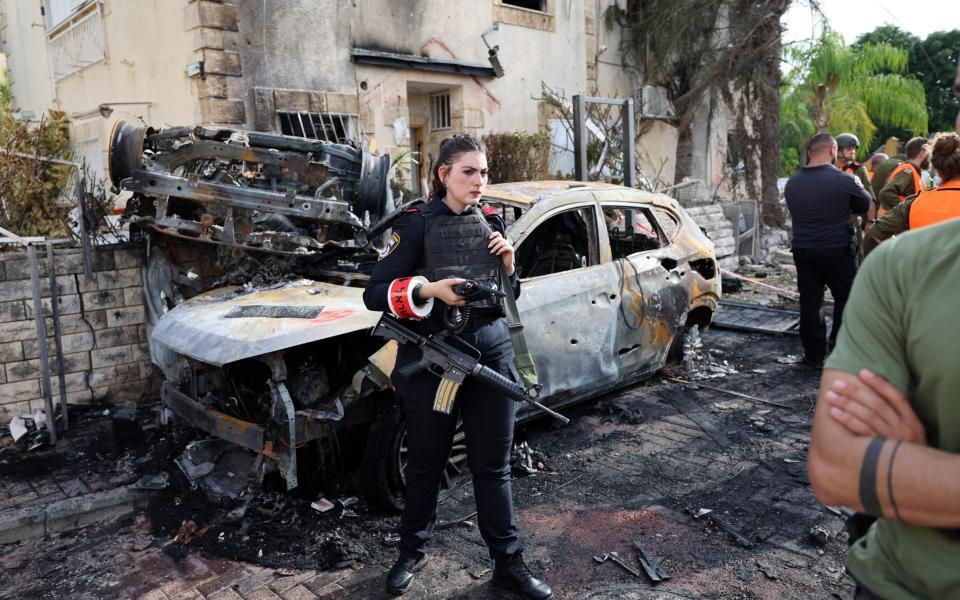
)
(395, 77)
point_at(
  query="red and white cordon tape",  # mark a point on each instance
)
(400, 298)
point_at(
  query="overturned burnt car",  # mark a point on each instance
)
(259, 246)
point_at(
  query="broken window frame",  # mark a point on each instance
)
(592, 235)
(440, 118)
(631, 213)
(668, 221)
(521, 4)
(290, 122)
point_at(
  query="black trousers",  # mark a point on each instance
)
(488, 420)
(831, 267)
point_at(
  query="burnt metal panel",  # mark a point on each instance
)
(237, 431)
(199, 328)
(742, 316)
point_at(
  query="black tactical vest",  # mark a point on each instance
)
(456, 246)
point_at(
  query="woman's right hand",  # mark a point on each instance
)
(443, 290)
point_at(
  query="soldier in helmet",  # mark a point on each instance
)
(433, 247)
(847, 145)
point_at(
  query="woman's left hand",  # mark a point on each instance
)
(502, 247)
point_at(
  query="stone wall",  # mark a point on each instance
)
(102, 330)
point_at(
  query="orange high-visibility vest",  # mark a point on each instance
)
(918, 185)
(937, 205)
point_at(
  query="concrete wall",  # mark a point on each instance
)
(25, 44)
(102, 324)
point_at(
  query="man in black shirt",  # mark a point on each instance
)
(821, 199)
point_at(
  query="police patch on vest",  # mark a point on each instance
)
(390, 246)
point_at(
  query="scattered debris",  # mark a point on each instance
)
(156, 481)
(323, 505)
(188, 532)
(741, 539)
(727, 405)
(521, 463)
(790, 359)
(18, 428)
(650, 564)
(698, 363)
(478, 571)
(628, 411)
(819, 535)
(768, 569)
(462, 520)
(615, 557)
(221, 469)
(391, 539)
(731, 392)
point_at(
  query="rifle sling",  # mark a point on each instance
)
(514, 325)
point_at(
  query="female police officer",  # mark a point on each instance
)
(432, 248)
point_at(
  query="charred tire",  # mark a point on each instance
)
(675, 353)
(381, 473)
(385, 460)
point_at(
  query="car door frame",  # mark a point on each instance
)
(573, 354)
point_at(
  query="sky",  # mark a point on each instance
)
(854, 17)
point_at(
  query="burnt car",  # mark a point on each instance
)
(255, 313)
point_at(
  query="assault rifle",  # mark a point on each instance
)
(442, 358)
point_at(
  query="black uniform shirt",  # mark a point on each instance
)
(401, 254)
(821, 200)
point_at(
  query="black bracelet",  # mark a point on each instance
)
(868, 478)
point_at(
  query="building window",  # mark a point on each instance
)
(537, 5)
(330, 127)
(440, 111)
(78, 43)
(58, 11)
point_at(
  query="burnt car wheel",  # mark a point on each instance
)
(382, 474)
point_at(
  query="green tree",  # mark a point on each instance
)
(888, 34)
(934, 62)
(838, 88)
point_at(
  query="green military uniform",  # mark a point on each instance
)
(860, 172)
(909, 279)
(893, 222)
(901, 184)
(883, 171)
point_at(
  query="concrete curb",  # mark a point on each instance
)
(17, 524)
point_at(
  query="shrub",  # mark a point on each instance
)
(518, 156)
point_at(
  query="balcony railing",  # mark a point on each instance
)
(78, 45)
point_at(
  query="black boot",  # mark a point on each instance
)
(401, 574)
(511, 573)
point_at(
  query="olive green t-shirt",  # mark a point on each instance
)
(902, 322)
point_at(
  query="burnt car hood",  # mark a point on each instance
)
(201, 328)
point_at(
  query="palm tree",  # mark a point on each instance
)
(840, 88)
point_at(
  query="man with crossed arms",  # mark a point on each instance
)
(886, 441)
